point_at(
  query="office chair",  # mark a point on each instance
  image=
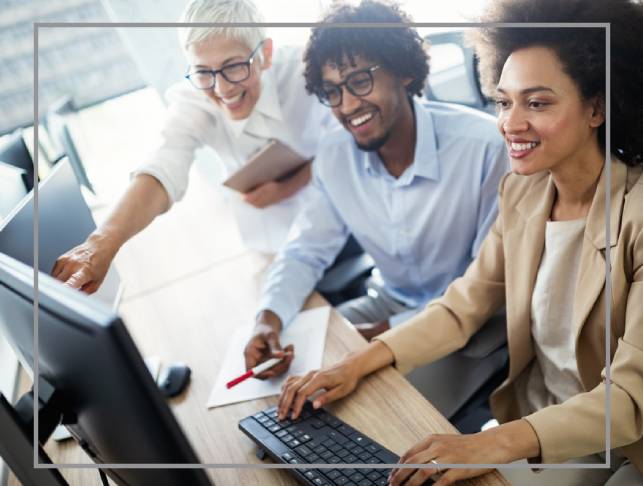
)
(14, 152)
(55, 123)
(346, 278)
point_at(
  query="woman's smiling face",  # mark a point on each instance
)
(237, 100)
(541, 114)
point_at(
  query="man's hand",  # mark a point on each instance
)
(84, 267)
(273, 192)
(264, 344)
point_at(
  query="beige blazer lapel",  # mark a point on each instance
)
(524, 245)
(591, 275)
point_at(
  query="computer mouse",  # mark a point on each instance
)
(173, 379)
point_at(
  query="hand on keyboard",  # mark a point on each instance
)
(338, 381)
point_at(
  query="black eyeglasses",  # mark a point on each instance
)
(233, 73)
(358, 83)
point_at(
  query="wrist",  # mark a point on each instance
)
(270, 319)
(375, 356)
(516, 440)
(106, 241)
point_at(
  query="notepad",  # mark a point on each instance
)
(307, 333)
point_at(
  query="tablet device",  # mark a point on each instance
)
(272, 162)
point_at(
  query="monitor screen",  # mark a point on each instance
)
(109, 401)
(65, 221)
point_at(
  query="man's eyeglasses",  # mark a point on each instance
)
(233, 73)
(358, 83)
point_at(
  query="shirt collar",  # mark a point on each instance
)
(267, 104)
(425, 159)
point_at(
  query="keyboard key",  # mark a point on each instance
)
(305, 438)
(310, 474)
(295, 460)
(342, 453)
(332, 474)
(303, 451)
(350, 445)
(282, 433)
(287, 438)
(335, 448)
(381, 482)
(325, 455)
(351, 459)
(319, 481)
(357, 477)
(341, 481)
(348, 472)
(328, 443)
(313, 458)
(357, 450)
(335, 423)
(293, 443)
(274, 428)
(346, 430)
(316, 423)
(372, 448)
(287, 456)
(319, 449)
(374, 476)
(334, 460)
(337, 437)
(360, 439)
(365, 482)
(373, 460)
(365, 456)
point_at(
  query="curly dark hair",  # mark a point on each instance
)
(400, 50)
(582, 54)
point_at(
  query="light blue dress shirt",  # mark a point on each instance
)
(421, 229)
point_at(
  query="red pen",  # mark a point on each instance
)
(260, 368)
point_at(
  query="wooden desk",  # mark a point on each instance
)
(191, 321)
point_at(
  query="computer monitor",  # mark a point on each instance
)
(12, 188)
(14, 152)
(65, 221)
(107, 397)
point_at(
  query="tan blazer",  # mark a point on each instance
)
(505, 273)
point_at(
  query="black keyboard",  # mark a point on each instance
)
(318, 437)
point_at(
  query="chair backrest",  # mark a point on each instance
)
(13, 187)
(14, 152)
(454, 74)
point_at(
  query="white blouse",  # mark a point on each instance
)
(554, 374)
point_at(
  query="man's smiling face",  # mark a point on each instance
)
(372, 117)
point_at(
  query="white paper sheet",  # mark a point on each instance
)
(307, 333)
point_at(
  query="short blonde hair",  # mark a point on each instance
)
(221, 11)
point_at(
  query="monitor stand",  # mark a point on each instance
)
(16, 448)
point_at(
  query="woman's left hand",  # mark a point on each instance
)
(499, 445)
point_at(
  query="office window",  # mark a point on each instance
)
(90, 65)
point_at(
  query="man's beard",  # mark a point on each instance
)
(375, 144)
